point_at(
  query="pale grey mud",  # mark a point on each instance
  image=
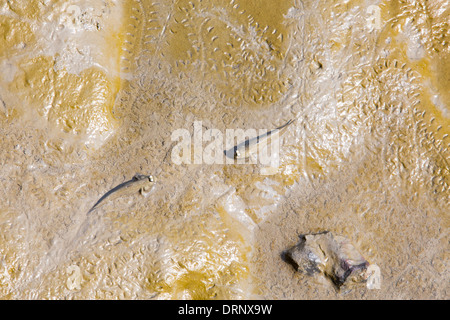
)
(92, 92)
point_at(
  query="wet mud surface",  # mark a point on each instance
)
(95, 100)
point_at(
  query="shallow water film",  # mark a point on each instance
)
(94, 92)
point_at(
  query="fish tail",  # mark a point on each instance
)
(92, 209)
(286, 124)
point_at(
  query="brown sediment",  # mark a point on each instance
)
(367, 157)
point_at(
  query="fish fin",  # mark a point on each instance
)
(145, 191)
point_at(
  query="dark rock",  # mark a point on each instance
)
(333, 256)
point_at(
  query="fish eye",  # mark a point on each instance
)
(237, 154)
(150, 178)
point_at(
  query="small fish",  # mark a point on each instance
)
(138, 182)
(246, 148)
